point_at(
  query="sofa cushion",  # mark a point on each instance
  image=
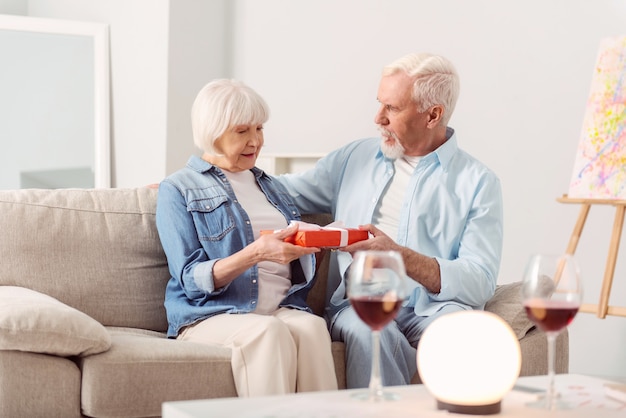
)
(96, 250)
(38, 323)
(143, 369)
(507, 303)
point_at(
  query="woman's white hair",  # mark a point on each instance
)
(222, 104)
(435, 81)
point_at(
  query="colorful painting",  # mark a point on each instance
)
(600, 166)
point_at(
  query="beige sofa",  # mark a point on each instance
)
(82, 323)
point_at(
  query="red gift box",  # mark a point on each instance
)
(326, 237)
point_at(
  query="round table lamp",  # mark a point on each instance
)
(468, 361)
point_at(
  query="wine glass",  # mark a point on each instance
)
(552, 294)
(375, 288)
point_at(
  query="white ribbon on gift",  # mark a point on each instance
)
(334, 226)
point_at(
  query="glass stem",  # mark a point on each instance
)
(376, 386)
(551, 393)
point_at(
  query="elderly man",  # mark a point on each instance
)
(417, 193)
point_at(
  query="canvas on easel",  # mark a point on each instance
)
(600, 166)
(599, 176)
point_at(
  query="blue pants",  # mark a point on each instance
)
(398, 344)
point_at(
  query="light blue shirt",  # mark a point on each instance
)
(452, 211)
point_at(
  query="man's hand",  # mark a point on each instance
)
(422, 269)
(378, 241)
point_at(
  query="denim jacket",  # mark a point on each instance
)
(199, 221)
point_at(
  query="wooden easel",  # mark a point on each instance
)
(602, 309)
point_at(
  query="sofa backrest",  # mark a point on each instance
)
(97, 250)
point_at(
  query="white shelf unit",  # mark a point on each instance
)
(286, 163)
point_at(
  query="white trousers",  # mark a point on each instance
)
(285, 352)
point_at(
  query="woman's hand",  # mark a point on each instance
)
(272, 247)
(269, 247)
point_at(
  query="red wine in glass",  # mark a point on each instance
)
(552, 294)
(376, 311)
(375, 287)
(551, 315)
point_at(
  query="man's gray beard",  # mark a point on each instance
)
(392, 152)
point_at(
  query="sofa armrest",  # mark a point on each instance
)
(507, 304)
(534, 348)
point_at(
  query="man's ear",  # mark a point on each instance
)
(434, 115)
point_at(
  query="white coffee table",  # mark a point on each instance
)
(587, 393)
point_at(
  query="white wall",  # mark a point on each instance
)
(13, 7)
(525, 71)
(162, 53)
(139, 56)
(525, 67)
(198, 52)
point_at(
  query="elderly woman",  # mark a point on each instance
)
(230, 285)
